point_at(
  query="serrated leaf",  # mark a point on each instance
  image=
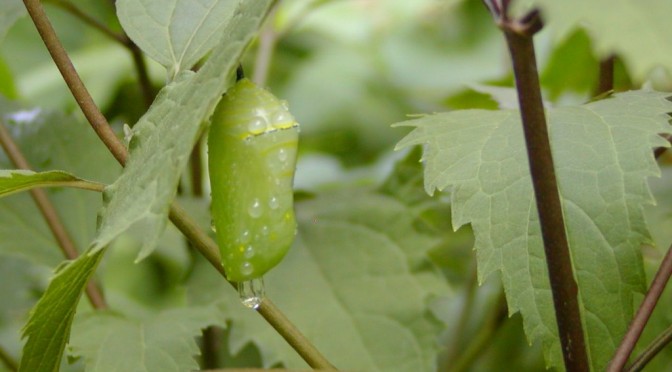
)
(17, 180)
(638, 31)
(602, 153)
(165, 135)
(175, 33)
(165, 342)
(48, 327)
(362, 266)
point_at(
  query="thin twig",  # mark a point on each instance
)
(50, 214)
(651, 351)
(465, 314)
(78, 13)
(201, 241)
(196, 166)
(658, 152)
(267, 41)
(212, 340)
(121, 38)
(643, 314)
(71, 78)
(8, 360)
(605, 82)
(564, 289)
(484, 337)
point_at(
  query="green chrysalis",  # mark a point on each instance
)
(252, 155)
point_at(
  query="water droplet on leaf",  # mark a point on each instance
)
(255, 209)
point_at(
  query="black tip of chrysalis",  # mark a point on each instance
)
(240, 74)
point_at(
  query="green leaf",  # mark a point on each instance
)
(360, 264)
(165, 135)
(638, 31)
(17, 180)
(48, 328)
(602, 153)
(175, 33)
(164, 342)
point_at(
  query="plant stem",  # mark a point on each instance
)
(519, 38)
(465, 314)
(201, 241)
(121, 38)
(484, 337)
(652, 350)
(8, 361)
(78, 13)
(71, 78)
(50, 215)
(195, 171)
(643, 314)
(211, 343)
(267, 41)
(605, 81)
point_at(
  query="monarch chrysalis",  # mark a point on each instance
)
(252, 155)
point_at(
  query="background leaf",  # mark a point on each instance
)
(165, 135)
(175, 33)
(361, 264)
(603, 155)
(637, 31)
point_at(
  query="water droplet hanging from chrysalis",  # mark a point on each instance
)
(251, 292)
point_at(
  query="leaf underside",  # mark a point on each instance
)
(602, 153)
(164, 137)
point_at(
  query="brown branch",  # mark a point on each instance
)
(50, 215)
(78, 13)
(8, 360)
(201, 241)
(121, 38)
(658, 152)
(212, 340)
(519, 38)
(196, 173)
(75, 84)
(643, 314)
(605, 82)
(651, 351)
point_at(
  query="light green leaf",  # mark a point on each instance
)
(175, 33)
(164, 136)
(360, 264)
(48, 328)
(10, 11)
(638, 31)
(17, 180)
(602, 153)
(164, 342)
